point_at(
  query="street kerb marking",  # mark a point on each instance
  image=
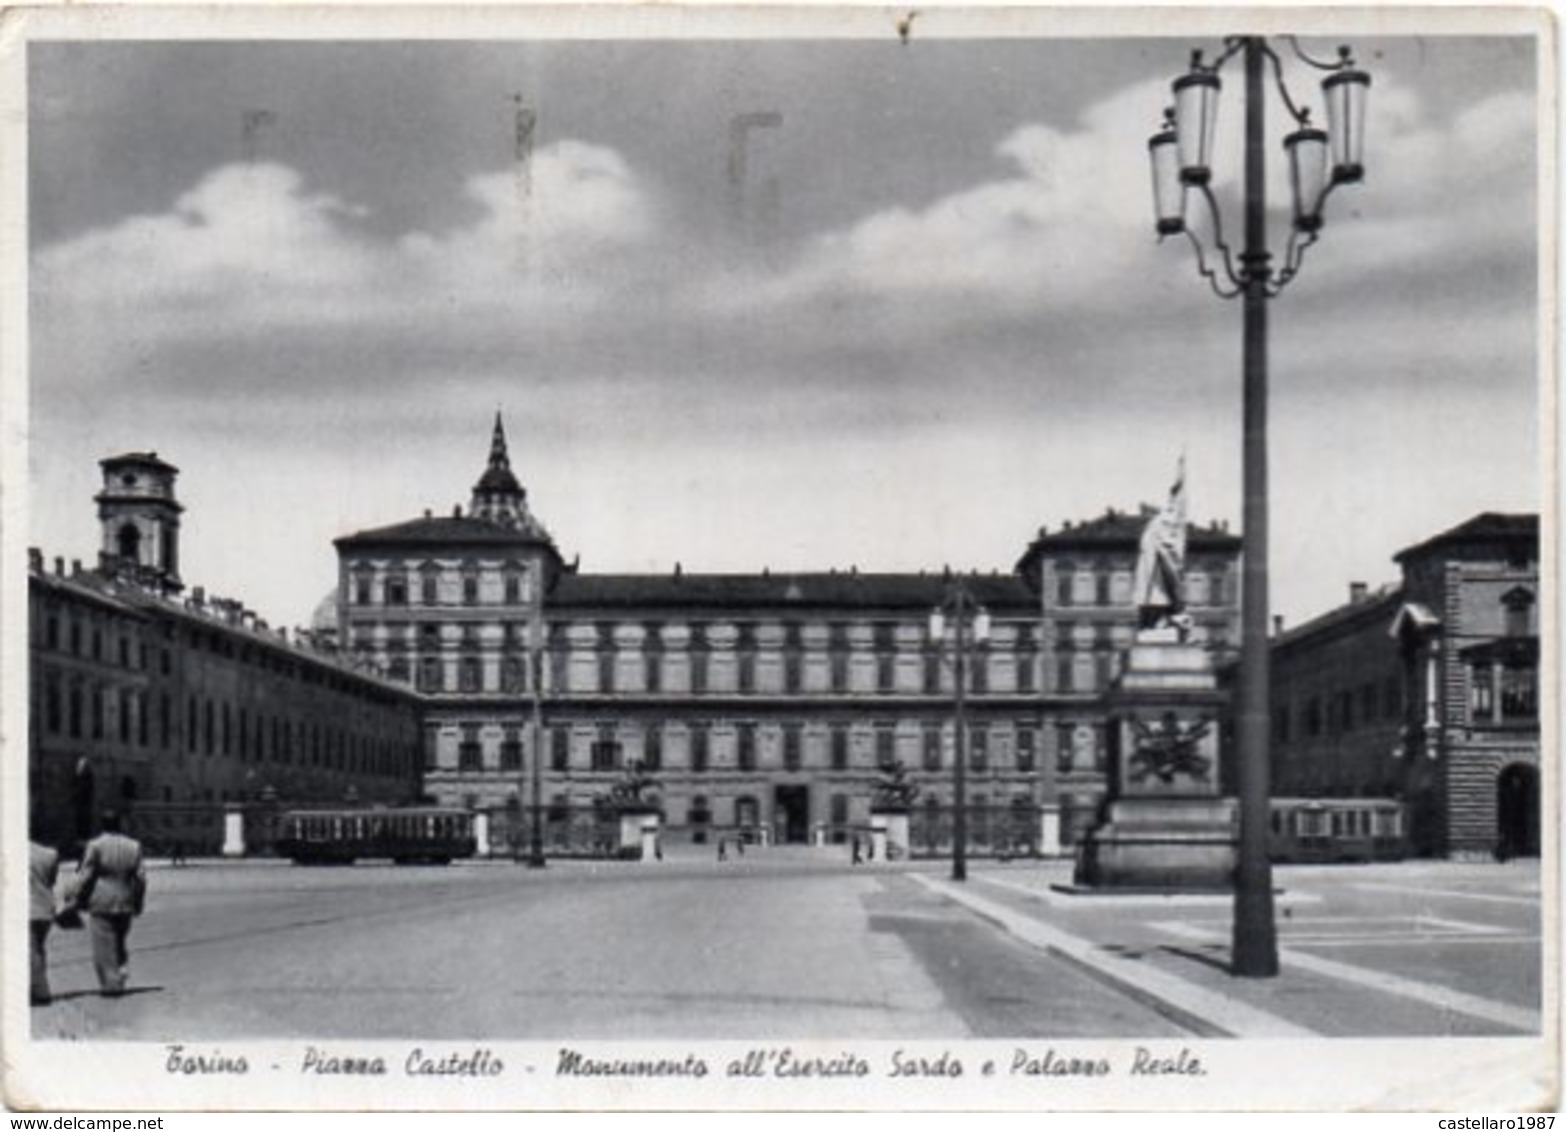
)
(1444, 998)
(1185, 1002)
(1457, 892)
(1055, 898)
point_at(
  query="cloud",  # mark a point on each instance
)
(250, 248)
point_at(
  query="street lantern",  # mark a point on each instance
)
(1309, 149)
(1196, 117)
(1346, 92)
(1163, 149)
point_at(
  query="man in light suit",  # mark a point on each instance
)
(112, 890)
(43, 866)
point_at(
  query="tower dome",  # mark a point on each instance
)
(497, 496)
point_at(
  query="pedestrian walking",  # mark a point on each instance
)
(43, 868)
(859, 858)
(723, 849)
(112, 891)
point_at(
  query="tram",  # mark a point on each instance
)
(417, 835)
(1309, 830)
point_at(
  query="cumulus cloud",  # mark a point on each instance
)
(252, 246)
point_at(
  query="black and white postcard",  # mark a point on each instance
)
(822, 558)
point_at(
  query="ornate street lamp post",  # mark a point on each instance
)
(535, 839)
(1181, 159)
(970, 628)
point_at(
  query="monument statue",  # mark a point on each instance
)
(1159, 583)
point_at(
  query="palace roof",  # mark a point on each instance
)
(832, 590)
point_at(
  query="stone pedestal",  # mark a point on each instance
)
(639, 835)
(481, 845)
(1049, 830)
(1164, 826)
(889, 834)
(234, 832)
(650, 838)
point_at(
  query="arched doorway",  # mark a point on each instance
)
(1517, 811)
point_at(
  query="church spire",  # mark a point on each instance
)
(498, 496)
(498, 458)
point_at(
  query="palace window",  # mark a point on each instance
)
(470, 752)
(1519, 695)
(1027, 671)
(1103, 670)
(52, 711)
(885, 746)
(606, 750)
(1025, 751)
(513, 674)
(396, 590)
(430, 675)
(839, 663)
(979, 747)
(791, 746)
(885, 672)
(1518, 616)
(470, 674)
(932, 746)
(1065, 580)
(1065, 734)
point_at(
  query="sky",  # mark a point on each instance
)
(788, 304)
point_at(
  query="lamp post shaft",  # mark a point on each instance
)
(960, 768)
(1255, 947)
(535, 838)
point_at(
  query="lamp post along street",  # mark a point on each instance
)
(1181, 166)
(972, 628)
(960, 749)
(535, 839)
(1255, 943)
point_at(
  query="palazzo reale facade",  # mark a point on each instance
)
(755, 701)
